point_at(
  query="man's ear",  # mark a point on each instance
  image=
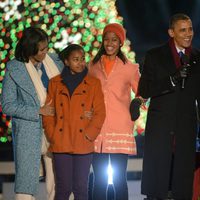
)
(171, 32)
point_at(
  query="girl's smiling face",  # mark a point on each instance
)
(76, 61)
(111, 44)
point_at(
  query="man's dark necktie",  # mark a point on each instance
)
(181, 54)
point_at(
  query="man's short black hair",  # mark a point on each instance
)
(177, 17)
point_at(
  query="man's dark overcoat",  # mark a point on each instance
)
(171, 125)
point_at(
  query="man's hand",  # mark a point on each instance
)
(135, 108)
(180, 74)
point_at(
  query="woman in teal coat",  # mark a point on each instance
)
(23, 97)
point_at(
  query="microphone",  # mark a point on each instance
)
(185, 64)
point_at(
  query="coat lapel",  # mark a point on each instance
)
(23, 80)
(170, 65)
(194, 57)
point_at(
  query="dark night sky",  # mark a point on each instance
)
(146, 21)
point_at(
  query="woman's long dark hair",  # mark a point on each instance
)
(28, 44)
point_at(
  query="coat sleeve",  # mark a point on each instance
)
(136, 77)
(151, 84)
(12, 101)
(99, 113)
(49, 121)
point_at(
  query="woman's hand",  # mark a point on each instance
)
(47, 110)
(88, 114)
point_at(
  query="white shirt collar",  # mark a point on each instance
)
(178, 50)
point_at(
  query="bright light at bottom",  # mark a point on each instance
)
(110, 174)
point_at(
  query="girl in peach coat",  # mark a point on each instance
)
(118, 77)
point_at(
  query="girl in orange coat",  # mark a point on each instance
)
(70, 131)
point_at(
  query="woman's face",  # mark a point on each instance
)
(76, 61)
(42, 51)
(111, 44)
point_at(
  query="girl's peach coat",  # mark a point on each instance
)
(68, 129)
(117, 132)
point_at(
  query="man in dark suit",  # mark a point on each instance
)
(173, 86)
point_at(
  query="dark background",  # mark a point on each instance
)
(146, 21)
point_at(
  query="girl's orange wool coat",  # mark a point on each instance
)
(69, 129)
